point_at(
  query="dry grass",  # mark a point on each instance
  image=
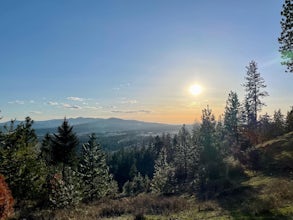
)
(122, 208)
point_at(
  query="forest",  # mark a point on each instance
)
(169, 173)
(234, 166)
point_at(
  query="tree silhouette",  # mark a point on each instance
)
(254, 92)
(64, 145)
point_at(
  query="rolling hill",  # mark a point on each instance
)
(112, 133)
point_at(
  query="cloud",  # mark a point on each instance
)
(109, 107)
(132, 112)
(65, 105)
(128, 101)
(35, 112)
(92, 107)
(78, 99)
(53, 103)
(19, 102)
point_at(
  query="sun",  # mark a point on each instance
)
(195, 89)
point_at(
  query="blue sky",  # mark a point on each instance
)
(135, 59)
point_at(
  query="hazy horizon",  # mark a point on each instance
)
(136, 60)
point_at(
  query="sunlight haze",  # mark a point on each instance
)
(157, 61)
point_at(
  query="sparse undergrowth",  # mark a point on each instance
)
(127, 207)
(260, 197)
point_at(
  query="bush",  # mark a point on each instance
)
(65, 189)
(141, 205)
(6, 200)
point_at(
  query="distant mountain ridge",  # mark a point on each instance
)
(100, 125)
(113, 133)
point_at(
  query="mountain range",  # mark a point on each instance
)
(113, 133)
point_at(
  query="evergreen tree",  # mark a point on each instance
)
(286, 38)
(64, 145)
(137, 185)
(289, 121)
(183, 153)
(186, 160)
(65, 188)
(97, 182)
(163, 180)
(19, 162)
(46, 150)
(265, 128)
(210, 163)
(278, 123)
(232, 117)
(254, 92)
(207, 128)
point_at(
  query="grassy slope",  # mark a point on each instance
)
(266, 194)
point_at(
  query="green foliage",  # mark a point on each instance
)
(65, 188)
(126, 163)
(269, 128)
(186, 160)
(64, 145)
(286, 37)
(211, 162)
(97, 182)
(163, 180)
(279, 123)
(137, 185)
(254, 86)
(46, 150)
(19, 162)
(232, 118)
(275, 156)
(289, 121)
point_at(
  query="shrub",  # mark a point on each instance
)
(6, 200)
(65, 189)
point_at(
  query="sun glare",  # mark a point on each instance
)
(195, 89)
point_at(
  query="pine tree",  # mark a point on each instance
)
(97, 182)
(64, 145)
(286, 38)
(163, 180)
(46, 150)
(65, 188)
(210, 163)
(232, 117)
(254, 92)
(289, 121)
(278, 123)
(183, 151)
(207, 128)
(139, 184)
(19, 162)
(186, 158)
(265, 129)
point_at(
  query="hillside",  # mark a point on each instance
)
(276, 156)
(112, 133)
(268, 192)
(263, 194)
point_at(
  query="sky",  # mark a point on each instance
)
(136, 59)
